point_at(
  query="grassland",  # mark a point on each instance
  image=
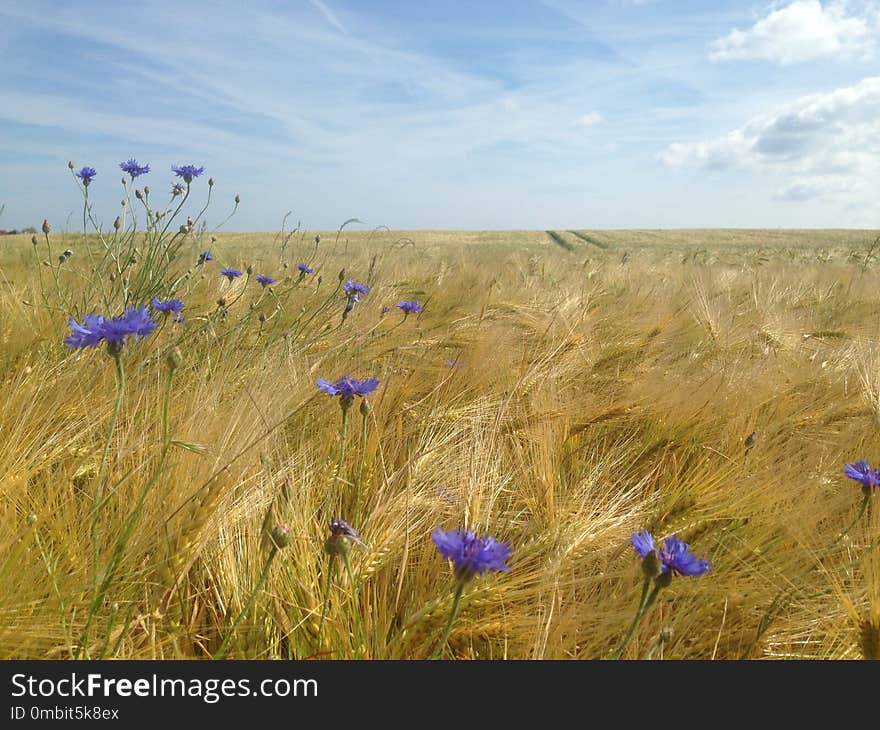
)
(558, 396)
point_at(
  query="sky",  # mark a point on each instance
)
(460, 114)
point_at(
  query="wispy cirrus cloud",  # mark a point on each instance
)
(450, 114)
(329, 15)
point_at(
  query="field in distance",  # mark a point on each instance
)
(561, 390)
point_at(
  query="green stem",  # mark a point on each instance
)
(358, 626)
(50, 569)
(456, 602)
(343, 433)
(224, 647)
(98, 489)
(357, 488)
(865, 502)
(55, 271)
(645, 603)
(327, 584)
(128, 528)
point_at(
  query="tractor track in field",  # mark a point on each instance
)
(589, 239)
(557, 238)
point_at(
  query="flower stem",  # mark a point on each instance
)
(456, 601)
(343, 433)
(357, 488)
(98, 496)
(645, 603)
(132, 519)
(865, 502)
(99, 486)
(224, 647)
(51, 570)
(358, 627)
(326, 603)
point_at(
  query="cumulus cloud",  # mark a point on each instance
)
(802, 31)
(826, 144)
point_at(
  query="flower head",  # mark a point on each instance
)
(177, 189)
(341, 528)
(87, 334)
(471, 555)
(305, 269)
(342, 535)
(133, 168)
(187, 172)
(230, 273)
(409, 307)
(674, 556)
(354, 289)
(134, 321)
(280, 535)
(205, 256)
(114, 331)
(348, 388)
(86, 174)
(265, 280)
(863, 473)
(170, 305)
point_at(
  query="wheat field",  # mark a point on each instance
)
(561, 390)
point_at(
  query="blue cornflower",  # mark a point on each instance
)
(95, 328)
(187, 172)
(87, 334)
(471, 555)
(674, 556)
(409, 307)
(170, 305)
(230, 273)
(347, 388)
(133, 168)
(265, 280)
(177, 189)
(86, 175)
(862, 472)
(205, 256)
(354, 289)
(305, 269)
(135, 321)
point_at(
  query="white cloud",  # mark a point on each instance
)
(588, 120)
(816, 186)
(822, 145)
(801, 31)
(715, 154)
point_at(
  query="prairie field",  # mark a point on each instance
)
(561, 390)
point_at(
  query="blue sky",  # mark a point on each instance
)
(469, 115)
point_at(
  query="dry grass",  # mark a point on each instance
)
(601, 389)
